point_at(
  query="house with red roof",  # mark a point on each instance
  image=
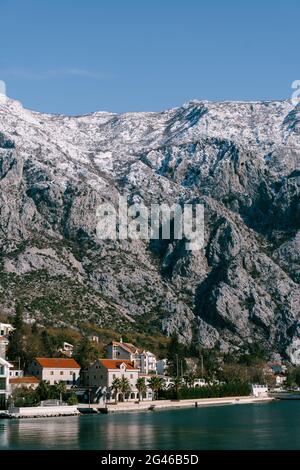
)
(20, 382)
(102, 373)
(143, 360)
(55, 370)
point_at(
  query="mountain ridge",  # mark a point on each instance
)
(240, 159)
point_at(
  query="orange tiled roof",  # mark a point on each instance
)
(57, 363)
(115, 364)
(127, 346)
(23, 380)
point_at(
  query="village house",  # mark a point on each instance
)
(144, 361)
(67, 349)
(4, 381)
(15, 370)
(23, 382)
(259, 390)
(3, 346)
(6, 329)
(103, 372)
(55, 370)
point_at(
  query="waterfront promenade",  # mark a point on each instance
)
(175, 404)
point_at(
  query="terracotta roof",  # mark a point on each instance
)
(116, 363)
(23, 380)
(127, 346)
(57, 363)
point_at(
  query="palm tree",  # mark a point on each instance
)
(116, 386)
(61, 389)
(141, 386)
(125, 386)
(43, 390)
(156, 384)
(189, 380)
(177, 384)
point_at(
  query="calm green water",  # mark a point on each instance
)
(254, 426)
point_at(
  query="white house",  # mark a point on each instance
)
(259, 390)
(15, 370)
(5, 329)
(67, 349)
(23, 382)
(200, 383)
(4, 381)
(144, 361)
(280, 379)
(3, 346)
(55, 370)
(103, 372)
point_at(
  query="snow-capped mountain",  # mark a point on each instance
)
(240, 159)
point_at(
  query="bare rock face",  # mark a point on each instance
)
(240, 160)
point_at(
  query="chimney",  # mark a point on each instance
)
(121, 340)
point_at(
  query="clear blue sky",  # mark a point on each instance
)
(78, 56)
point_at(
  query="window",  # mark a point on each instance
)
(71, 372)
(114, 376)
(131, 376)
(51, 372)
(61, 372)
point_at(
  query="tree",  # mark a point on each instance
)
(16, 348)
(60, 389)
(233, 373)
(156, 384)
(175, 357)
(72, 400)
(23, 396)
(47, 344)
(189, 380)
(293, 377)
(43, 390)
(125, 386)
(177, 384)
(86, 353)
(116, 386)
(141, 386)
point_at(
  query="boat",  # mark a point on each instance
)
(87, 411)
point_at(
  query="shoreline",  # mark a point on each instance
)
(186, 403)
(128, 407)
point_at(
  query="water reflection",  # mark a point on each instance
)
(265, 426)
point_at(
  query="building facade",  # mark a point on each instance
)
(55, 370)
(102, 373)
(3, 346)
(20, 382)
(4, 381)
(144, 361)
(5, 329)
(67, 349)
(15, 370)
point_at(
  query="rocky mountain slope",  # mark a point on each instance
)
(241, 160)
